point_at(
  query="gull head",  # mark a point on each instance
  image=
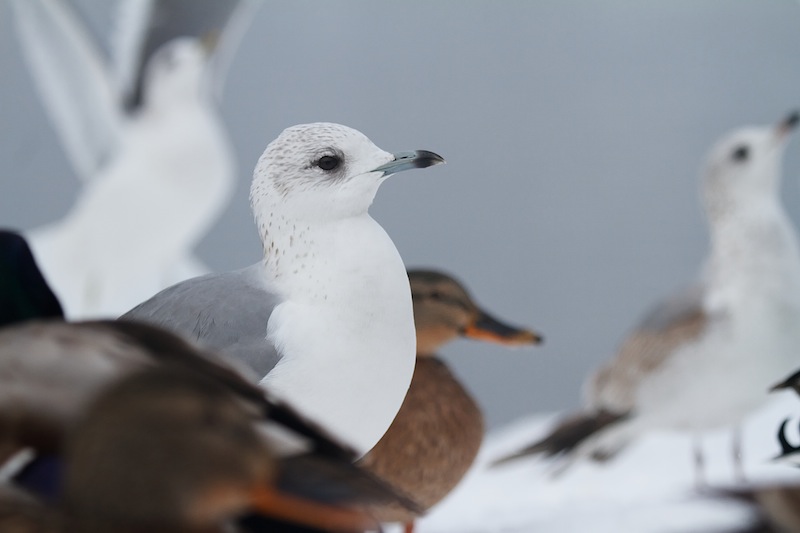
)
(325, 171)
(176, 71)
(746, 165)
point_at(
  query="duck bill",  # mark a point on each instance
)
(410, 160)
(271, 503)
(487, 328)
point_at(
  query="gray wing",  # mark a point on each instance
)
(226, 313)
(676, 321)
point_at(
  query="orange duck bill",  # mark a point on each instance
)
(268, 501)
(487, 328)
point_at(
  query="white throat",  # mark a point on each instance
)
(345, 329)
(754, 257)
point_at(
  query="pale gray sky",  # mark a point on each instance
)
(573, 132)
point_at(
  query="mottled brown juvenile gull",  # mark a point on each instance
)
(705, 358)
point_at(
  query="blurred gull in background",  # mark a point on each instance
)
(141, 130)
(705, 357)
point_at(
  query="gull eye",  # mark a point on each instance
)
(740, 154)
(329, 162)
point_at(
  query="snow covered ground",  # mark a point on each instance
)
(648, 488)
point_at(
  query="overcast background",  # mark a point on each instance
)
(573, 132)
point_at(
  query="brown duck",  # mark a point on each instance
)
(169, 450)
(438, 430)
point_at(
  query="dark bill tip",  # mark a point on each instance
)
(788, 124)
(779, 386)
(424, 159)
(410, 160)
(487, 328)
(788, 383)
(792, 120)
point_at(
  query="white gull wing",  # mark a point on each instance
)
(72, 80)
(226, 313)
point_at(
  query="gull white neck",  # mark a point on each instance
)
(755, 253)
(345, 329)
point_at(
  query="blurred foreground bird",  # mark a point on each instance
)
(705, 357)
(325, 319)
(437, 432)
(168, 449)
(51, 371)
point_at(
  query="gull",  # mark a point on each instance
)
(129, 229)
(704, 358)
(325, 319)
(90, 87)
(436, 435)
(133, 134)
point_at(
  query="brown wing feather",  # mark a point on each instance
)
(568, 433)
(678, 322)
(611, 390)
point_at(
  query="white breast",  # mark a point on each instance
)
(345, 331)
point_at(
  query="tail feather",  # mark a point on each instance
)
(567, 435)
